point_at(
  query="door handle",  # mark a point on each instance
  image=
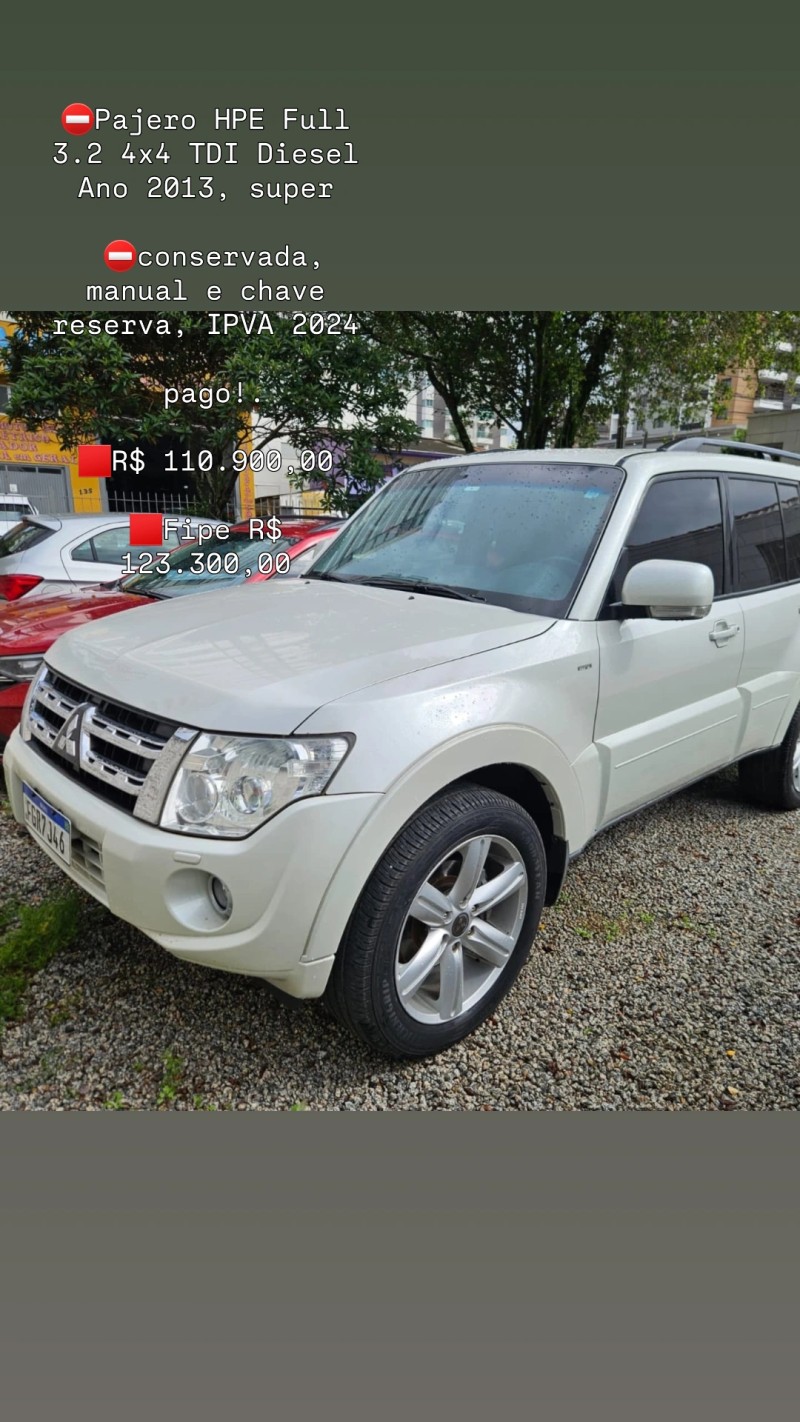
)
(722, 632)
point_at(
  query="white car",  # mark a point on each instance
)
(13, 507)
(45, 552)
(368, 782)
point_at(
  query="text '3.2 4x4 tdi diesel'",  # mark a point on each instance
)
(367, 783)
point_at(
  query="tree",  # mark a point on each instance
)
(111, 387)
(354, 472)
(552, 377)
(667, 364)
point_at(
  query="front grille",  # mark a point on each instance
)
(109, 748)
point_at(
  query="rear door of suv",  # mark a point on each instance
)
(765, 519)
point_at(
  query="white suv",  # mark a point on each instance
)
(368, 782)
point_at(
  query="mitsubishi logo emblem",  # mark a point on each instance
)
(68, 740)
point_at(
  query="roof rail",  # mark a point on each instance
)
(733, 446)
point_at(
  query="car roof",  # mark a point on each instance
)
(640, 462)
(325, 531)
(75, 521)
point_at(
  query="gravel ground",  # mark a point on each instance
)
(667, 977)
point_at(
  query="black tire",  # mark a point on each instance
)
(771, 777)
(363, 992)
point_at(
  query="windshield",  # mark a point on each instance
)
(216, 563)
(516, 534)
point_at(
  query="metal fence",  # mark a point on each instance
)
(149, 501)
(293, 511)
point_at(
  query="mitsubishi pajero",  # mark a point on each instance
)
(368, 782)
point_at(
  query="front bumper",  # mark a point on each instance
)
(277, 877)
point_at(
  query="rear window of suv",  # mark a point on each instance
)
(23, 536)
(790, 512)
(759, 533)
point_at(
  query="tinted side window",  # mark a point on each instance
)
(111, 545)
(680, 519)
(790, 508)
(759, 533)
(84, 553)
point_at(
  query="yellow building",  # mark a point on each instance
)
(34, 464)
(739, 389)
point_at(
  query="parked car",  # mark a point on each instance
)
(372, 793)
(29, 627)
(13, 507)
(48, 551)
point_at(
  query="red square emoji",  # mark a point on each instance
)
(146, 530)
(94, 461)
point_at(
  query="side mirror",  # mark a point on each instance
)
(670, 590)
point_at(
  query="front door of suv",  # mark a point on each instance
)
(669, 709)
(766, 522)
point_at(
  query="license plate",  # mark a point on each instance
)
(47, 824)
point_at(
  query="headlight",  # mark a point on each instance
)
(15, 669)
(227, 786)
(25, 718)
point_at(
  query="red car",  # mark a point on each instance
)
(29, 627)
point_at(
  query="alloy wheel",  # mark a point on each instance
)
(461, 930)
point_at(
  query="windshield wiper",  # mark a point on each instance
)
(417, 585)
(326, 577)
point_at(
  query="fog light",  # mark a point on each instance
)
(221, 897)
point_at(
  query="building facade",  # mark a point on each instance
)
(427, 410)
(778, 428)
(32, 462)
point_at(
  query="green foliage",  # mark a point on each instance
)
(30, 935)
(172, 1078)
(356, 472)
(553, 376)
(111, 388)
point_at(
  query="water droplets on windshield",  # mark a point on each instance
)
(518, 534)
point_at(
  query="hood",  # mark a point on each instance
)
(262, 659)
(32, 626)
